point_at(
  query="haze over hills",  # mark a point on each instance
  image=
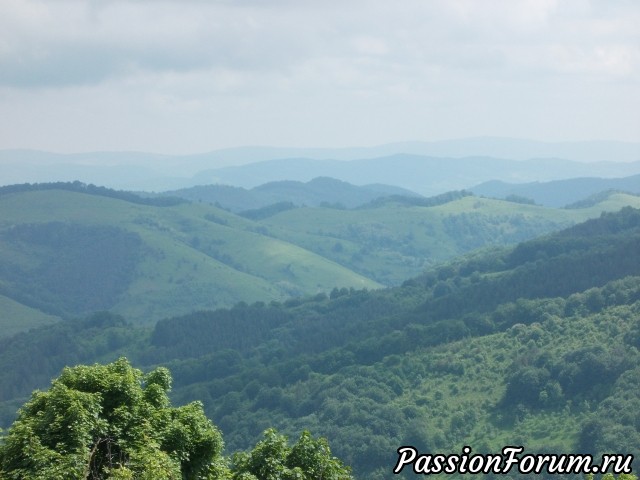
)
(320, 190)
(500, 147)
(424, 175)
(154, 172)
(558, 193)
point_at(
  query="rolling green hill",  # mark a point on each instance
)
(72, 251)
(68, 253)
(16, 317)
(533, 345)
(394, 240)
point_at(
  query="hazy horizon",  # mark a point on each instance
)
(395, 146)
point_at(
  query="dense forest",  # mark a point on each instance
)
(535, 345)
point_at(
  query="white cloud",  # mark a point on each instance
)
(289, 72)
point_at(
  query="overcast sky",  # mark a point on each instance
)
(193, 76)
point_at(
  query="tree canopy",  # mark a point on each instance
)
(110, 421)
(273, 459)
(114, 422)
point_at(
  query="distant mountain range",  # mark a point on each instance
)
(316, 192)
(424, 175)
(325, 191)
(499, 147)
(428, 168)
(558, 193)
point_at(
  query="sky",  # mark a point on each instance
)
(192, 76)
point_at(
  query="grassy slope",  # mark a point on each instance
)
(189, 262)
(16, 317)
(395, 242)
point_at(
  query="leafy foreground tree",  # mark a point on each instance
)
(114, 422)
(110, 421)
(273, 459)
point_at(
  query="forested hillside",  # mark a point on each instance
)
(533, 345)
